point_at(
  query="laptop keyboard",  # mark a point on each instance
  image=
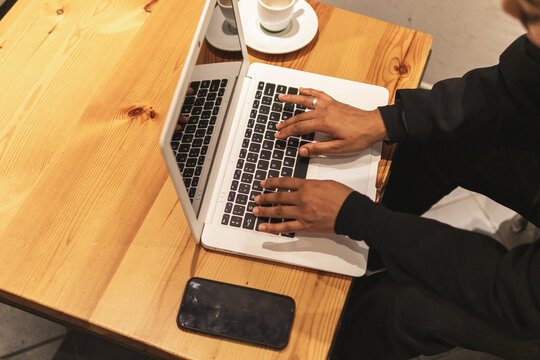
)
(190, 143)
(263, 156)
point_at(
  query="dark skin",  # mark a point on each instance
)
(314, 204)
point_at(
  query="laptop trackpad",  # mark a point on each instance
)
(351, 170)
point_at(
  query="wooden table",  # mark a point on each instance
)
(91, 231)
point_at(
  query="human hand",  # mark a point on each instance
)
(312, 205)
(352, 129)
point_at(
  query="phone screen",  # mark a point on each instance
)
(236, 312)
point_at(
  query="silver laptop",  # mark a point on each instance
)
(219, 157)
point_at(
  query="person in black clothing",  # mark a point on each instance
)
(444, 287)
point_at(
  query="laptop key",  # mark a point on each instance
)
(280, 144)
(236, 221)
(291, 151)
(232, 196)
(239, 210)
(195, 86)
(225, 219)
(228, 207)
(277, 107)
(273, 174)
(286, 115)
(247, 178)
(267, 100)
(286, 171)
(274, 116)
(257, 185)
(249, 221)
(214, 85)
(265, 110)
(244, 188)
(288, 161)
(260, 86)
(289, 107)
(275, 165)
(184, 148)
(252, 157)
(250, 207)
(265, 154)
(258, 138)
(241, 199)
(300, 171)
(268, 145)
(254, 147)
(253, 195)
(205, 84)
(281, 89)
(277, 154)
(237, 174)
(293, 91)
(269, 89)
(249, 167)
(260, 175)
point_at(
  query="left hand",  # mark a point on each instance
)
(313, 205)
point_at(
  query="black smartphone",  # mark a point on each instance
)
(236, 312)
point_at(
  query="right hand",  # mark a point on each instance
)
(352, 129)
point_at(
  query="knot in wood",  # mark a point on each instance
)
(60, 11)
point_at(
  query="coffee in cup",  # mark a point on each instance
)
(275, 15)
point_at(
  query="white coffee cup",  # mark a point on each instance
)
(275, 15)
(227, 11)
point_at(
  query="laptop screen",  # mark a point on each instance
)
(206, 105)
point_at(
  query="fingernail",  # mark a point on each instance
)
(257, 198)
(263, 183)
(277, 134)
(256, 210)
(263, 227)
(303, 152)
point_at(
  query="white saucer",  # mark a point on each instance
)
(298, 34)
(220, 34)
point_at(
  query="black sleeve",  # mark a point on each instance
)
(468, 268)
(475, 106)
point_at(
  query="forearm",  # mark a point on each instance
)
(467, 268)
(473, 107)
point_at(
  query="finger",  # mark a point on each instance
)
(321, 148)
(321, 95)
(288, 183)
(276, 212)
(183, 119)
(297, 99)
(302, 127)
(278, 197)
(190, 91)
(300, 117)
(284, 227)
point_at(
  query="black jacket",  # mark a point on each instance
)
(468, 268)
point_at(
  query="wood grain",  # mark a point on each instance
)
(91, 231)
